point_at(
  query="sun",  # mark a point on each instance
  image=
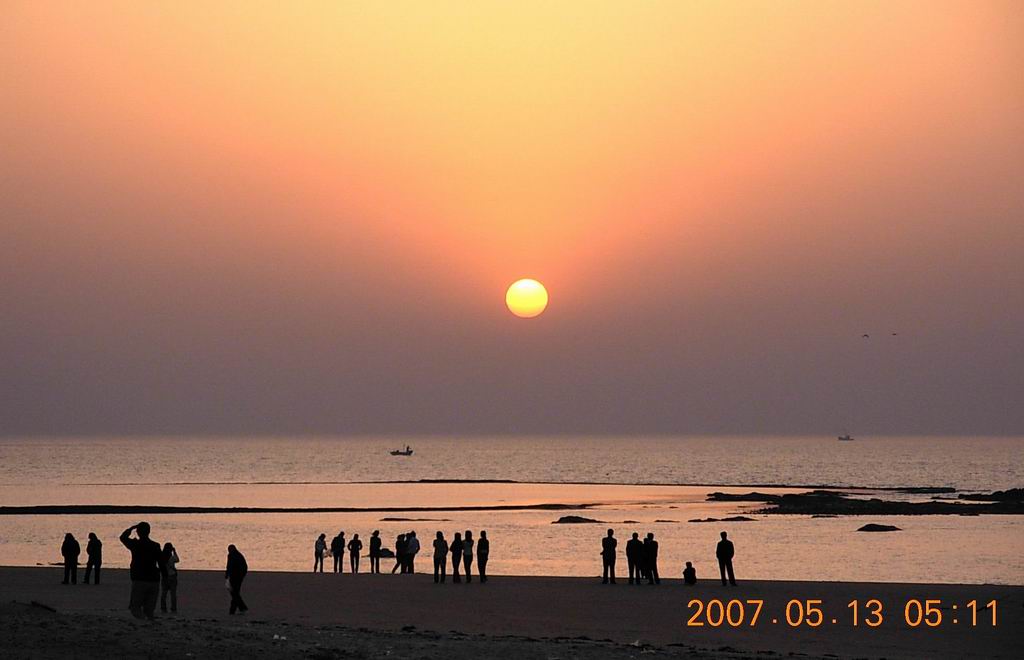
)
(526, 298)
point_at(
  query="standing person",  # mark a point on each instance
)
(145, 571)
(319, 548)
(94, 552)
(440, 558)
(338, 552)
(169, 582)
(689, 574)
(375, 551)
(634, 558)
(412, 546)
(467, 555)
(354, 547)
(725, 552)
(483, 553)
(70, 551)
(235, 572)
(456, 550)
(651, 559)
(399, 554)
(609, 544)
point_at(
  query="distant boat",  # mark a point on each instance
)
(402, 452)
(845, 438)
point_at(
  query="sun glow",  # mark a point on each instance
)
(526, 298)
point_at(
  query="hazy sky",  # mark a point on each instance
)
(242, 217)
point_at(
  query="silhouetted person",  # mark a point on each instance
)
(145, 571)
(635, 558)
(70, 550)
(338, 552)
(456, 550)
(440, 558)
(483, 553)
(354, 548)
(399, 554)
(319, 548)
(235, 572)
(375, 551)
(94, 553)
(608, 548)
(725, 552)
(467, 555)
(412, 547)
(169, 578)
(689, 574)
(651, 559)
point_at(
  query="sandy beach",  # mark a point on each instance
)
(327, 615)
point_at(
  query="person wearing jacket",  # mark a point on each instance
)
(724, 552)
(338, 552)
(375, 551)
(651, 559)
(145, 571)
(456, 550)
(483, 553)
(355, 546)
(70, 551)
(169, 578)
(635, 559)
(235, 572)
(412, 548)
(467, 555)
(609, 545)
(319, 548)
(94, 554)
(440, 558)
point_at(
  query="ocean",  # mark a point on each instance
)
(630, 484)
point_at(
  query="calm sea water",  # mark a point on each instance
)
(605, 472)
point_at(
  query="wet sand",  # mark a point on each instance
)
(524, 617)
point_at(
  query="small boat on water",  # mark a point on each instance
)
(402, 452)
(845, 438)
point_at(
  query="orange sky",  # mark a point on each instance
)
(187, 172)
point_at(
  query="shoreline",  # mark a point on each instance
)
(529, 616)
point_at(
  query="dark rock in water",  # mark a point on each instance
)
(729, 519)
(415, 519)
(1012, 495)
(624, 522)
(747, 497)
(825, 515)
(925, 490)
(387, 552)
(827, 502)
(666, 521)
(872, 527)
(573, 520)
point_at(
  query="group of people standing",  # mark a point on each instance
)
(71, 550)
(154, 572)
(642, 559)
(463, 550)
(338, 549)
